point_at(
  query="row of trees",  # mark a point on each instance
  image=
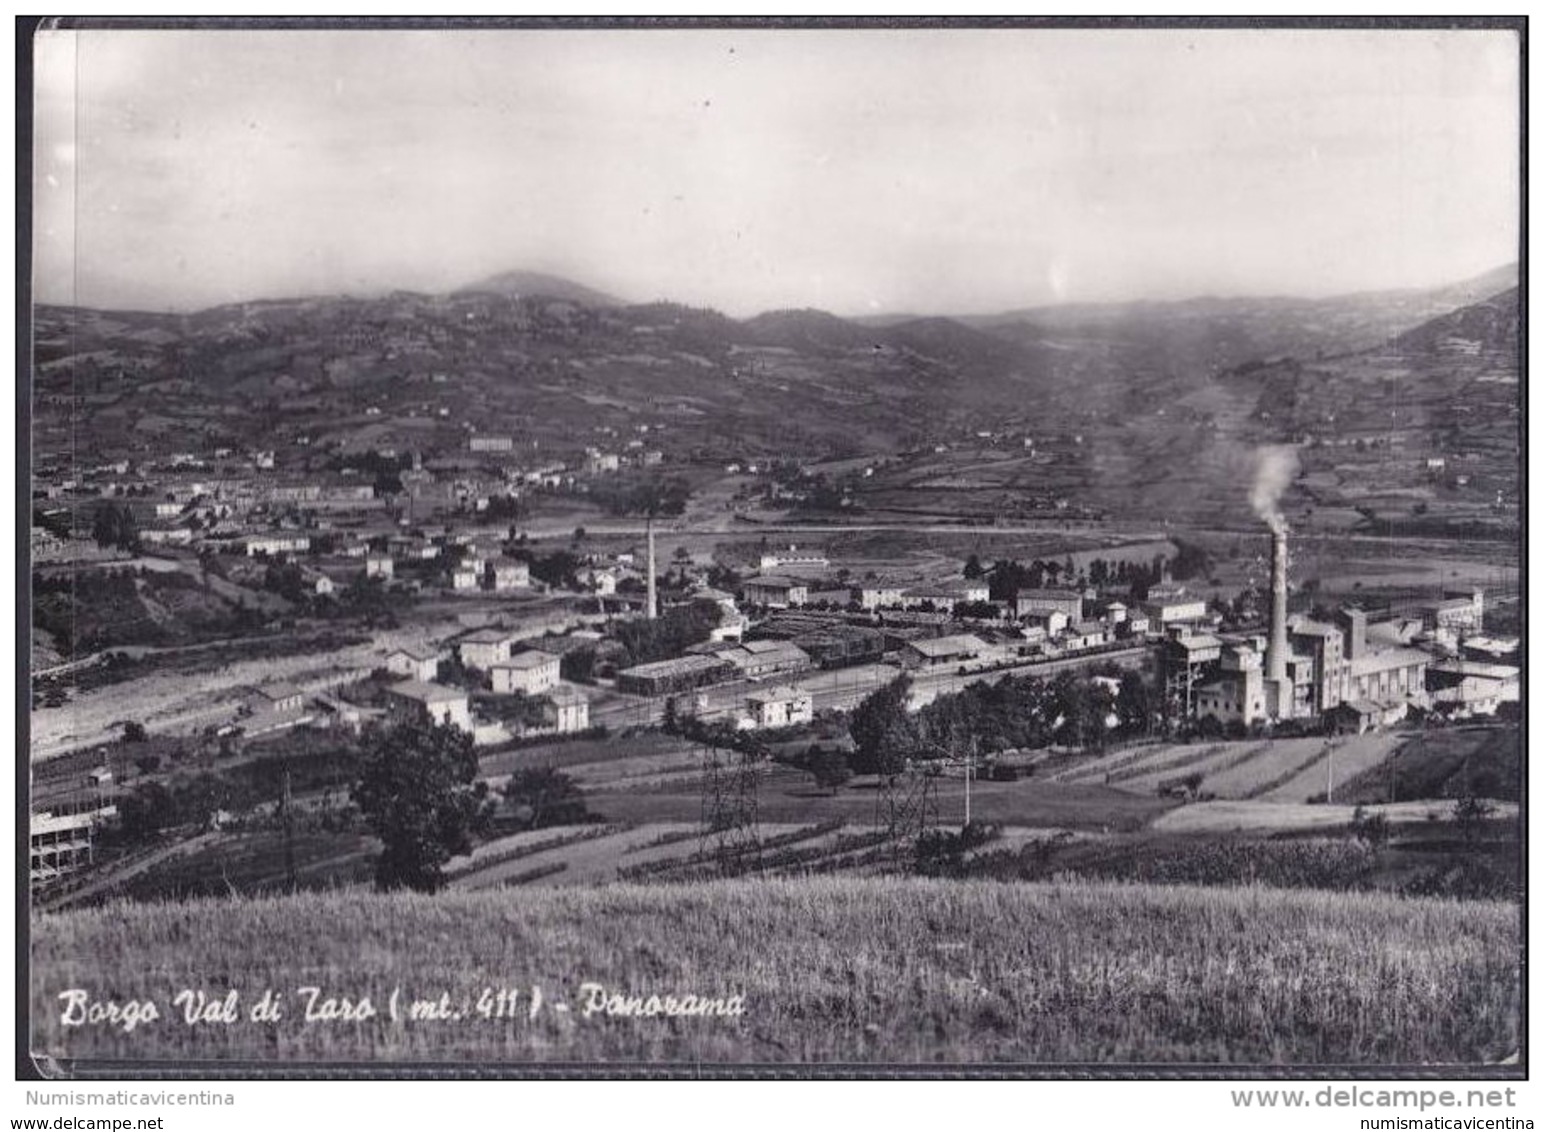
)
(1007, 576)
(1014, 713)
(114, 528)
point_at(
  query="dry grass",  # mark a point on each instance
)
(832, 970)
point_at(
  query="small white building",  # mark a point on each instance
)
(510, 575)
(282, 696)
(463, 578)
(936, 652)
(531, 672)
(277, 544)
(780, 707)
(492, 444)
(1084, 635)
(1170, 610)
(379, 566)
(794, 559)
(569, 710)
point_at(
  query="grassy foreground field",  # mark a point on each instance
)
(829, 970)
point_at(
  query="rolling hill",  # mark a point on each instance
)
(536, 284)
(1153, 407)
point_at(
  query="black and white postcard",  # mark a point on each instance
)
(742, 548)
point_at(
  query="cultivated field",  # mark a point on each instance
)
(827, 970)
(1272, 770)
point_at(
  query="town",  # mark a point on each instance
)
(401, 586)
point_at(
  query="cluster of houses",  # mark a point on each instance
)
(244, 503)
(494, 654)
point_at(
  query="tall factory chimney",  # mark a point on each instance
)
(1278, 687)
(653, 606)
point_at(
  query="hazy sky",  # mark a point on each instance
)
(858, 171)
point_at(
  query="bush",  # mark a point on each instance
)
(540, 797)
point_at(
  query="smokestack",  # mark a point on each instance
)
(1279, 693)
(1276, 646)
(653, 607)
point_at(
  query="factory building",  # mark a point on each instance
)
(1068, 603)
(664, 677)
(1302, 669)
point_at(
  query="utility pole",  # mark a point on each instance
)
(653, 609)
(286, 804)
(970, 771)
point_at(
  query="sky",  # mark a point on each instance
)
(863, 172)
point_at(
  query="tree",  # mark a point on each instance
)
(578, 665)
(983, 610)
(829, 767)
(1370, 829)
(1131, 703)
(541, 796)
(146, 810)
(1470, 813)
(973, 568)
(114, 527)
(882, 730)
(417, 791)
(134, 732)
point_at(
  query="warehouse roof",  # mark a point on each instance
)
(949, 646)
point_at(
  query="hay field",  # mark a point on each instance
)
(827, 970)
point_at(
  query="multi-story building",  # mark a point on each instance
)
(531, 672)
(436, 703)
(775, 592)
(1068, 603)
(485, 648)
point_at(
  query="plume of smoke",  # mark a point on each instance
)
(1275, 468)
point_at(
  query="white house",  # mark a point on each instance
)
(379, 566)
(415, 664)
(876, 595)
(510, 575)
(485, 648)
(282, 696)
(531, 672)
(780, 707)
(569, 711)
